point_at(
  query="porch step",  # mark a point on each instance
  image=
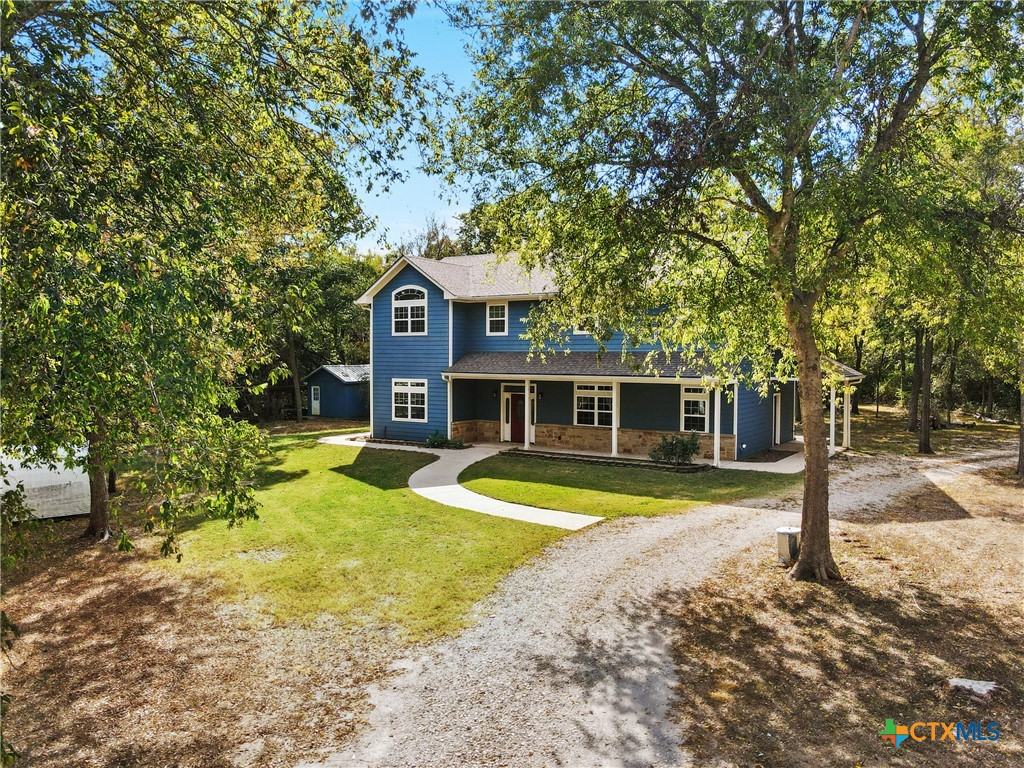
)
(609, 461)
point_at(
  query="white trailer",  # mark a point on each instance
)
(59, 492)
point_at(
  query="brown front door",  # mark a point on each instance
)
(518, 417)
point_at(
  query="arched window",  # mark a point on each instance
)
(409, 311)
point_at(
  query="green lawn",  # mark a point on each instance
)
(340, 533)
(615, 491)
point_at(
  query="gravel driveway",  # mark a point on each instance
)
(568, 663)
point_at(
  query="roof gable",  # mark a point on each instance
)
(480, 276)
(345, 373)
(405, 261)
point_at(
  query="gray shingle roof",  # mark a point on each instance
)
(346, 373)
(485, 275)
(609, 364)
(577, 364)
(844, 371)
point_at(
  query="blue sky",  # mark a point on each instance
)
(440, 50)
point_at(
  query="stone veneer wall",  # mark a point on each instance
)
(640, 441)
(636, 442)
(476, 431)
(572, 437)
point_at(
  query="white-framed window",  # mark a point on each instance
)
(594, 405)
(497, 319)
(409, 399)
(577, 331)
(694, 410)
(409, 311)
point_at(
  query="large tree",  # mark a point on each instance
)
(701, 173)
(161, 162)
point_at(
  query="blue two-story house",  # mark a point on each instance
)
(446, 355)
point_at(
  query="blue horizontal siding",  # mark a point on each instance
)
(649, 406)
(755, 422)
(471, 332)
(556, 402)
(461, 323)
(413, 357)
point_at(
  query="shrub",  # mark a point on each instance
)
(676, 449)
(438, 440)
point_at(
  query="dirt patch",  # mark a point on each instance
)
(313, 425)
(122, 664)
(785, 674)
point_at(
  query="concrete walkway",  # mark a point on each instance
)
(439, 482)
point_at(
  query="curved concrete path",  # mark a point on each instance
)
(439, 482)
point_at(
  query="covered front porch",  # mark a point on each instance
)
(610, 411)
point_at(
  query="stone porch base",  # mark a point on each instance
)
(476, 431)
(638, 442)
(632, 442)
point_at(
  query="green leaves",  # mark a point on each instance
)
(165, 165)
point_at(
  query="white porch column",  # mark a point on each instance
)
(615, 418)
(832, 421)
(847, 415)
(529, 416)
(449, 409)
(718, 427)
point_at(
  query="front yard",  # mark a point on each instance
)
(258, 648)
(340, 534)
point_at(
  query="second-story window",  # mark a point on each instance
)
(497, 319)
(409, 312)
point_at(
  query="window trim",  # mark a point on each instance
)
(702, 396)
(487, 318)
(409, 303)
(410, 386)
(594, 389)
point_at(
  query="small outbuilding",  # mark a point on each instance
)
(339, 391)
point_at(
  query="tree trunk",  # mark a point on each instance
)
(858, 348)
(903, 364)
(293, 366)
(111, 482)
(815, 562)
(99, 508)
(878, 381)
(954, 348)
(1020, 445)
(915, 385)
(924, 443)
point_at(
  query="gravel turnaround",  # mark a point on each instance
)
(568, 663)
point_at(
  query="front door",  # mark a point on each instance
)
(314, 401)
(777, 419)
(518, 417)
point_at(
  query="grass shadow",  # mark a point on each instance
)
(271, 477)
(384, 469)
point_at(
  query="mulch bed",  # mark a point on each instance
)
(609, 461)
(772, 454)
